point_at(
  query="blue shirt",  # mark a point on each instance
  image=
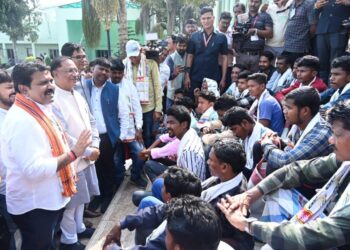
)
(270, 109)
(206, 58)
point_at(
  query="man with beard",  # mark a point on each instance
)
(321, 223)
(7, 98)
(130, 117)
(104, 107)
(40, 179)
(176, 62)
(265, 64)
(74, 112)
(144, 73)
(251, 42)
(282, 77)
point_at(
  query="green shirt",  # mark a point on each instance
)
(329, 232)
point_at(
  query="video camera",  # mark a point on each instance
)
(241, 29)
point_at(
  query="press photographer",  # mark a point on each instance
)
(249, 35)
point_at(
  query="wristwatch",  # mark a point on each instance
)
(249, 221)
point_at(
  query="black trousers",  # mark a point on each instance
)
(105, 167)
(37, 228)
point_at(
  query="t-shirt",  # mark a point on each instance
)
(206, 57)
(270, 109)
(280, 18)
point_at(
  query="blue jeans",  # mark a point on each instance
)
(330, 46)
(10, 224)
(137, 163)
(153, 169)
(156, 197)
(169, 103)
(148, 128)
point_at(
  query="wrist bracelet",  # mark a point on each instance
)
(72, 155)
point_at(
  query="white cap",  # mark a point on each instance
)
(132, 48)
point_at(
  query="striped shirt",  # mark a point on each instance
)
(329, 232)
(190, 154)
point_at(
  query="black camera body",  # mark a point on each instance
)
(241, 29)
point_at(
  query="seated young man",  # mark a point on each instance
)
(282, 77)
(226, 162)
(190, 153)
(244, 100)
(308, 137)
(232, 89)
(307, 72)
(265, 64)
(244, 127)
(216, 130)
(340, 79)
(177, 182)
(206, 100)
(265, 108)
(323, 222)
(192, 225)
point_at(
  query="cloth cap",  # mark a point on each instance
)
(132, 48)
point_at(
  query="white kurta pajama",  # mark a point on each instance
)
(74, 113)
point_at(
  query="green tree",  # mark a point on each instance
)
(107, 11)
(19, 20)
(172, 12)
(123, 27)
(91, 24)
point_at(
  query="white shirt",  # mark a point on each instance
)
(190, 154)
(76, 115)
(280, 20)
(31, 180)
(3, 113)
(96, 108)
(130, 110)
(164, 74)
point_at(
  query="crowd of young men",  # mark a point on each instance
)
(257, 109)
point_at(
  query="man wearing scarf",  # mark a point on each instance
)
(40, 179)
(321, 223)
(265, 108)
(144, 73)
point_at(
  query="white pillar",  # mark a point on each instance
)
(33, 50)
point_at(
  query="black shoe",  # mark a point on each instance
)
(91, 214)
(105, 203)
(139, 182)
(95, 203)
(87, 234)
(75, 246)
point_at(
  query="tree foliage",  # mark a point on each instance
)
(19, 19)
(91, 24)
(172, 12)
(106, 10)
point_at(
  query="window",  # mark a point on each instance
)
(10, 54)
(102, 53)
(53, 53)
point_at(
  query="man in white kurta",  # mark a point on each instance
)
(39, 179)
(74, 112)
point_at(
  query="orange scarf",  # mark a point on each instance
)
(66, 175)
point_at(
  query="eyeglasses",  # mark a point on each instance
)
(79, 57)
(70, 71)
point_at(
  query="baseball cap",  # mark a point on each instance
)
(132, 48)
